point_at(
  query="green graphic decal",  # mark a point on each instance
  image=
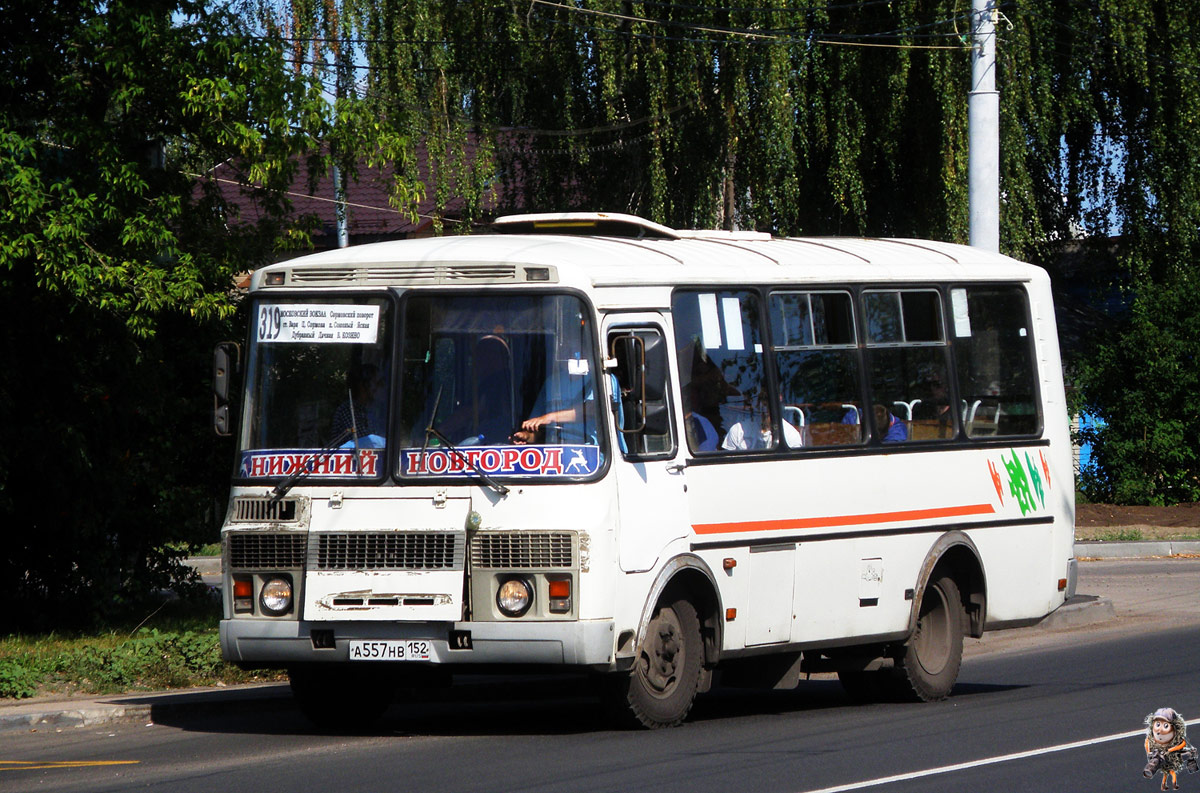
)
(1035, 477)
(1018, 483)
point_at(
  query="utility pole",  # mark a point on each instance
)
(339, 181)
(983, 131)
(339, 192)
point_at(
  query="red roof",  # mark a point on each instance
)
(369, 212)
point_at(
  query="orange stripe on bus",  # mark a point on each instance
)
(844, 520)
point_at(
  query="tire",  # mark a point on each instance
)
(662, 686)
(933, 654)
(340, 699)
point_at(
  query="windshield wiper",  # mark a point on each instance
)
(354, 433)
(433, 431)
(288, 482)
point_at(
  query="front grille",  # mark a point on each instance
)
(522, 550)
(388, 550)
(263, 510)
(260, 550)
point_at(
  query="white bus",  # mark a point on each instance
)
(591, 442)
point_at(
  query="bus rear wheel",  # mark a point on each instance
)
(662, 686)
(933, 654)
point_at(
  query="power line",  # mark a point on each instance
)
(737, 32)
(781, 35)
(307, 197)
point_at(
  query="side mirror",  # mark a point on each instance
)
(641, 370)
(630, 354)
(225, 362)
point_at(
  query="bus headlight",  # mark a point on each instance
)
(514, 597)
(276, 596)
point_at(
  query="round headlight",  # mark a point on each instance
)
(514, 597)
(276, 596)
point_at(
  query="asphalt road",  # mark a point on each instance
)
(1033, 711)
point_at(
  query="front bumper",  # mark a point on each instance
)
(266, 642)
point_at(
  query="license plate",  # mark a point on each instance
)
(390, 650)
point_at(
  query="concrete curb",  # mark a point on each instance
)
(55, 715)
(1079, 610)
(204, 565)
(1135, 550)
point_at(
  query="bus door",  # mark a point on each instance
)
(650, 482)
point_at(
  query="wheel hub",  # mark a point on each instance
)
(662, 655)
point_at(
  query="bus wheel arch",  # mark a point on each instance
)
(677, 640)
(954, 555)
(949, 603)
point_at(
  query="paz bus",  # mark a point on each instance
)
(669, 458)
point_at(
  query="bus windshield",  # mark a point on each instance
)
(318, 374)
(504, 385)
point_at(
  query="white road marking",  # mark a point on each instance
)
(1004, 758)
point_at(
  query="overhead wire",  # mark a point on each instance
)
(737, 32)
(322, 199)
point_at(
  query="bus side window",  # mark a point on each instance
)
(994, 353)
(908, 365)
(816, 352)
(641, 411)
(722, 373)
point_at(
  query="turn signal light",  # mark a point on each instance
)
(243, 595)
(559, 591)
(1062, 585)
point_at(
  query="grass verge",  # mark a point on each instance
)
(177, 647)
(1121, 535)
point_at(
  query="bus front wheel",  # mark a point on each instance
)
(933, 654)
(662, 686)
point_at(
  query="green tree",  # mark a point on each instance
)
(809, 117)
(117, 255)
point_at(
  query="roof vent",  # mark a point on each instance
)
(592, 224)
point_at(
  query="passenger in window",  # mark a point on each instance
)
(568, 419)
(887, 426)
(709, 387)
(532, 428)
(755, 432)
(935, 411)
(485, 414)
(702, 435)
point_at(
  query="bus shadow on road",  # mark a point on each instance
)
(514, 706)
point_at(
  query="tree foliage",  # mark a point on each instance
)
(117, 255)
